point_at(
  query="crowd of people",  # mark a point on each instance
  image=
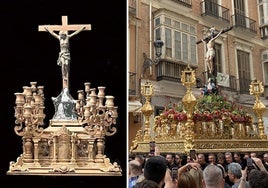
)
(201, 170)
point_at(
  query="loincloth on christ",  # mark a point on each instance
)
(64, 58)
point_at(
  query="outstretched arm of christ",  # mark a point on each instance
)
(52, 33)
(217, 35)
(77, 31)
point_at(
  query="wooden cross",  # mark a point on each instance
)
(64, 57)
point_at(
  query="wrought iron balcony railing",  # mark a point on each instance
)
(244, 22)
(209, 8)
(171, 71)
(166, 70)
(244, 85)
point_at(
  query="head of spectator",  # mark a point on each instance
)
(202, 160)
(170, 157)
(229, 157)
(197, 174)
(212, 158)
(265, 157)
(237, 157)
(253, 154)
(146, 184)
(186, 180)
(135, 170)
(155, 169)
(212, 177)
(246, 155)
(234, 172)
(188, 160)
(258, 179)
(178, 160)
(224, 174)
(141, 159)
(221, 159)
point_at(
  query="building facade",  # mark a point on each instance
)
(241, 51)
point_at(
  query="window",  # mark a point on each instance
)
(211, 7)
(265, 65)
(263, 18)
(218, 59)
(243, 70)
(168, 43)
(239, 9)
(179, 39)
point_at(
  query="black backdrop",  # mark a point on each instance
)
(97, 56)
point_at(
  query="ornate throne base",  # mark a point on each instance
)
(64, 148)
(205, 146)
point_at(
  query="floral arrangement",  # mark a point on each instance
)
(172, 114)
(211, 107)
(216, 107)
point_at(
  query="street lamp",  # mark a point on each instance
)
(158, 44)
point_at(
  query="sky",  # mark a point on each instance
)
(98, 56)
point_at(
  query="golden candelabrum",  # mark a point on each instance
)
(97, 116)
(256, 89)
(189, 101)
(147, 110)
(29, 114)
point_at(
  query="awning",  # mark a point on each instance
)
(134, 106)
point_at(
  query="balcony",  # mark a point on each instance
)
(166, 70)
(244, 85)
(171, 71)
(212, 9)
(244, 22)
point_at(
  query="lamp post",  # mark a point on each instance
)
(256, 89)
(147, 110)
(158, 44)
(188, 79)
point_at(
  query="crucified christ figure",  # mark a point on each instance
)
(64, 55)
(210, 41)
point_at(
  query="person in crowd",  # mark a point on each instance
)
(221, 159)
(258, 179)
(202, 160)
(186, 180)
(197, 174)
(141, 159)
(238, 158)
(170, 157)
(253, 154)
(155, 169)
(212, 177)
(258, 164)
(146, 184)
(135, 170)
(183, 175)
(235, 174)
(265, 160)
(228, 160)
(224, 174)
(178, 160)
(212, 158)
